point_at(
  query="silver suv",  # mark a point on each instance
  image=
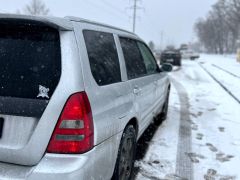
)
(75, 96)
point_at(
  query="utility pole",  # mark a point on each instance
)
(135, 7)
(161, 40)
(134, 15)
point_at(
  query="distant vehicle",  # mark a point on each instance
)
(189, 54)
(238, 55)
(171, 56)
(184, 47)
(75, 98)
(238, 51)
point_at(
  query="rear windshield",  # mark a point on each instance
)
(30, 59)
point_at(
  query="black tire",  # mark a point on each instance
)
(178, 62)
(126, 155)
(163, 115)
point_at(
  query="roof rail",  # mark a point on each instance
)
(60, 23)
(77, 19)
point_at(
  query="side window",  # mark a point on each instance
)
(133, 58)
(148, 58)
(103, 57)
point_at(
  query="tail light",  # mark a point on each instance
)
(73, 133)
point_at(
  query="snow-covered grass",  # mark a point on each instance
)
(225, 69)
(227, 62)
(214, 122)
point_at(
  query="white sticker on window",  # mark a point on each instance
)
(43, 92)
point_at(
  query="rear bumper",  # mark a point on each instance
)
(195, 56)
(96, 164)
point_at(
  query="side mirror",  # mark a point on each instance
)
(166, 67)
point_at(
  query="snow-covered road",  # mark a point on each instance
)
(201, 138)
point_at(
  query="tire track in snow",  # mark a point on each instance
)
(224, 87)
(184, 166)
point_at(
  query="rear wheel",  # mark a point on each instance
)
(126, 155)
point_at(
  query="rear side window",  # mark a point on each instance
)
(103, 57)
(30, 59)
(149, 60)
(133, 58)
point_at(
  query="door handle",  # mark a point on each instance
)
(136, 90)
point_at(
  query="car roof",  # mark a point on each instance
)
(77, 19)
(61, 23)
(171, 51)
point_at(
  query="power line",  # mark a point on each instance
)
(120, 11)
(107, 10)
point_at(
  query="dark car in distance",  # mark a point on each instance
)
(171, 56)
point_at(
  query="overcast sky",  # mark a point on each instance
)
(172, 20)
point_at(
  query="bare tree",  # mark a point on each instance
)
(220, 30)
(36, 7)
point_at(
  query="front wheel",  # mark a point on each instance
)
(126, 155)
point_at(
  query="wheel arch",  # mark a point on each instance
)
(133, 121)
